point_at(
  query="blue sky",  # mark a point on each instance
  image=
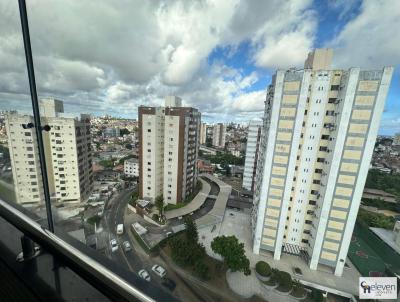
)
(219, 56)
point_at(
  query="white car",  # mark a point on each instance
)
(127, 246)
(120, 229)
(144, 275)
(114, 245)
(159, 270)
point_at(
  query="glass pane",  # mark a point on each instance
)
(20, 170)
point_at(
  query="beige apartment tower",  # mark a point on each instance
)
(67, 151)
(168, 150)
(318, 136)
(219, 133)
(203, 133)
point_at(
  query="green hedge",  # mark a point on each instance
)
(263, 269)
(285, 281)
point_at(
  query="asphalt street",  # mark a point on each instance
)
(131, 260)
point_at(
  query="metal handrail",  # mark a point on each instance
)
(106, 281)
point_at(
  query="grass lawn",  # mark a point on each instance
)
(171, 206)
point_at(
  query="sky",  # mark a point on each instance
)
(109, 57)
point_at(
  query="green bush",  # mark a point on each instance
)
(155, 217)
(263, 269)
(285, 280)
(316, 296)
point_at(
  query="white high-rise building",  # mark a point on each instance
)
(318, 136)
(252, 147)
(67, 150)
(219, 133)
(168, 150)
(203, 133)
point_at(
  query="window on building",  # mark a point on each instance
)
(312, 202)
(335, 87)
(320, 159)
(325, 136)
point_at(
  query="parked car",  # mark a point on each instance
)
(159, 270)
(120, 229)
(114, 245)
(127, 246)
(144, 275)
(168, 283)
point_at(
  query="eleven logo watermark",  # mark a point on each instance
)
(378, 287)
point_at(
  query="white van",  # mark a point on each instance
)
(120, 229)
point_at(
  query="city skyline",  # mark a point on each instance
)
(224, 72)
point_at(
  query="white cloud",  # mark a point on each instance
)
(112, 56)
(286, 38)
(371, 39)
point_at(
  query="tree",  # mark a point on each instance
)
(124, 131)
(184, 252)
(233, 253)
(200, 269)
(159, 203)
(191, 230)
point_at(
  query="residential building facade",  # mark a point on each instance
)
(252, 147)
(168, 150)
(219, 134)
(68, 156)
(317, 140)
(203, 133)
(131, 167)
(111, 132)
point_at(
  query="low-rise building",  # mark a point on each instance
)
(131, 167)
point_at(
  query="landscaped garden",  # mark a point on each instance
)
(282, 282)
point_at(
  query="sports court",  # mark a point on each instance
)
(370, 255)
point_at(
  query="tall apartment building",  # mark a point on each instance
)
(318, 136)
(168, 150)
(67, 151)
(203, 133)
(219, 133)
(252, 147)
